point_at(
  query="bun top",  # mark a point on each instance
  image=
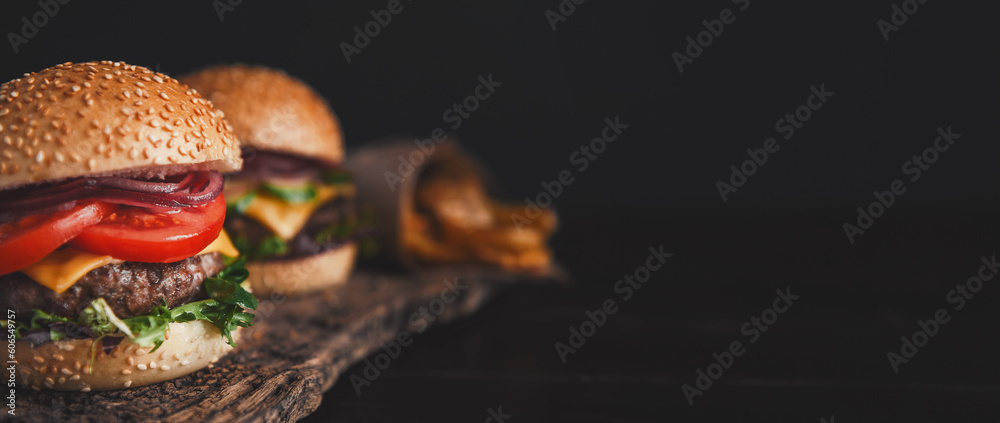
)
(271, 110)
(99, 118)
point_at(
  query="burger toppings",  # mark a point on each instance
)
(285, 206)
(149, 221)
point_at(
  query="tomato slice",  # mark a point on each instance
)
(134, 234)
(29, 239)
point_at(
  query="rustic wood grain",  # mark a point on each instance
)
(294, 352)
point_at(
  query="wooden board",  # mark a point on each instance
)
(294, 352)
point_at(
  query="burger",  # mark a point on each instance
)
(291, 209)
(114, 267)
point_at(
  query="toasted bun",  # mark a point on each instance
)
(271, 110)
(99, 118)
(291, 277)
(65, 365)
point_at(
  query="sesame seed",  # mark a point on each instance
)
(126, 372)
(66, 372)
(127, 383)
(74, 377)
(39, 360)
(164, 96)
(85, 389)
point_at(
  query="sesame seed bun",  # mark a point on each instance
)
(299, 276)
(271, 110)
(101, 118)
(65, 365)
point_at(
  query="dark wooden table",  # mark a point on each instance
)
(826, 356)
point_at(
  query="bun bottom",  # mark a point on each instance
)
(65, 365)
(299, 276)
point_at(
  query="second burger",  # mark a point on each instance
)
(291, 208)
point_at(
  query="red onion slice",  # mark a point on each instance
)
(193, 189)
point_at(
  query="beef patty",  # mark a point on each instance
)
(130, 288)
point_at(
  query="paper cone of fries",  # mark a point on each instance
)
(430, 205)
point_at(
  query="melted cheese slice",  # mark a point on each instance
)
(62, 268)
(285, 219)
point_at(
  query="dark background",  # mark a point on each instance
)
(656, 186)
